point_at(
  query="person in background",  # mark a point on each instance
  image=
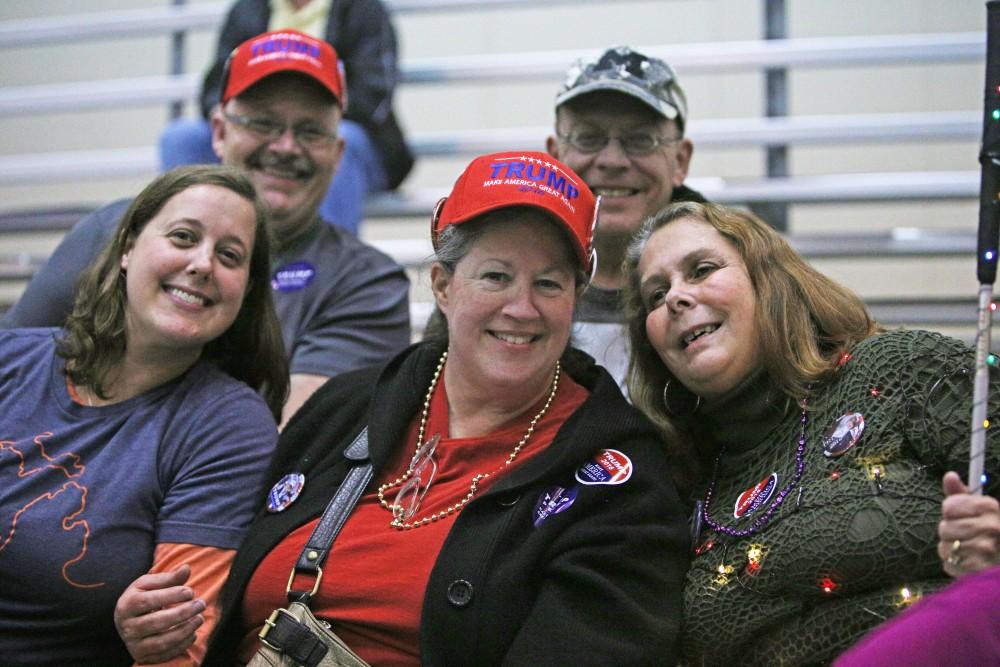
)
(619, 124)
(521, 511)
(376, 156)
(134, 438)
(750, 362)
(342, 304)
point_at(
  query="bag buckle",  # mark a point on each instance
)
(285, 633)
(269, 625)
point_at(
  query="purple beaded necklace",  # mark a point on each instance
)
(765, 518)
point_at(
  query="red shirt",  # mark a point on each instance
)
(376, 575)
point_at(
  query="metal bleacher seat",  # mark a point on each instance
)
(750, 132)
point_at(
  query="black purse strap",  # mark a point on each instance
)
(318, 545)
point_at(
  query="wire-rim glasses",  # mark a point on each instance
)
(635, 143)
(270, 129)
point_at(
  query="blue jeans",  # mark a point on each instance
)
(361, 172)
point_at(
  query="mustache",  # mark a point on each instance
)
(298, 166)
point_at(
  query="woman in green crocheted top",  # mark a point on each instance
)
(813, 443)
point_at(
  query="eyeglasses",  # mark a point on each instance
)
(423, 469)
(637, 143)
(266, 128)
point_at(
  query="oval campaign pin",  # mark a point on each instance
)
(843, 434)
(552, 502)
(758, 494)
(609, 467)
(285, 491)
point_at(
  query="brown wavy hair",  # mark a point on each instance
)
(805, 320)
(251, 350)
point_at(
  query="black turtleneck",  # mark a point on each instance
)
(746, 416)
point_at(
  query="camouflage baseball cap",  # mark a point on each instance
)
(621, 69)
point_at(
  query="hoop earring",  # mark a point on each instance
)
(671, 412)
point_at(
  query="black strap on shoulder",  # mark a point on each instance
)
(340, 507)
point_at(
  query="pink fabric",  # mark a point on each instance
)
(958, 625)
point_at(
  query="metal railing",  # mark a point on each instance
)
(185, 17)
(705, 58)
(898, 311)
(542, 65)
(713, 57)
(720, 134)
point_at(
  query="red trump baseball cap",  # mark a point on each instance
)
(502, 180)
(284, 51)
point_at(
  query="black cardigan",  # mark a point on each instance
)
(597, 584)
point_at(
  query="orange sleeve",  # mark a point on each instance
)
(209, 569)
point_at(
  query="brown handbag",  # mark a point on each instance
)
(292, 635)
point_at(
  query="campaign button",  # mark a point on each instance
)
(758, 494)
(843, 434)
(609, 467)
(285, 491)
(293, 277)
(552, 502)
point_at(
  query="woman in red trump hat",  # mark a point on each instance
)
(520, 510)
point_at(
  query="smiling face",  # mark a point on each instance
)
(632, 187)
(509, 305)
(290, 178)
(700, 305)
(186, 272)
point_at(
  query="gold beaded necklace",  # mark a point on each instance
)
(397, 510)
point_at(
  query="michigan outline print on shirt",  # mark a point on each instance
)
(72, 470)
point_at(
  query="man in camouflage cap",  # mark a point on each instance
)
(619, 124)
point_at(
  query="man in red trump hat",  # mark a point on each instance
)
(377, 157)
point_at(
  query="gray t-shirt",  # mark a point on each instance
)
(599, 331)
(342, 303)
(599, 328)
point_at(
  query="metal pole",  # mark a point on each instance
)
(987, 241)
(177, 40)
(776, 101)
(980, 391)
